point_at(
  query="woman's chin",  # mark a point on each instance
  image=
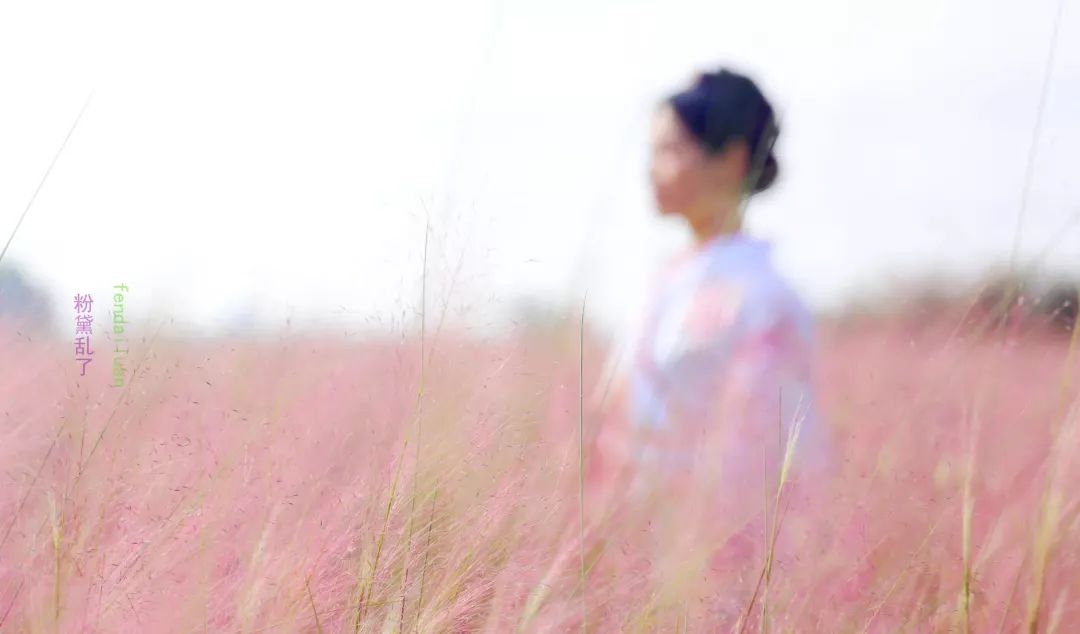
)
(665, 209)
(668, 212)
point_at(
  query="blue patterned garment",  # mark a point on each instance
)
(726, 346)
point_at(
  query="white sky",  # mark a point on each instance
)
(277, 159)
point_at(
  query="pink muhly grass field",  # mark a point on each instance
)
(322, 485)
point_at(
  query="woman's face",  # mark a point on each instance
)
(684, 178)
(676, 163)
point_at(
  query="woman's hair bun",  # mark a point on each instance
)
(769, 172)
(723, 105)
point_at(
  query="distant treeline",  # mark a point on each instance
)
(1034, 304)
(23, 302)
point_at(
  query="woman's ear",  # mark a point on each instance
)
(741, 158)
(731, 165)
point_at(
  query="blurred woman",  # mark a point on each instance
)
(721, 377)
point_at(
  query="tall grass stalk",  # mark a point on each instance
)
(903, 572)
(766, 570)
(1049, 513)
(968, 507)
(45, 176)
(311, 602)
(427, 553)
(581, 463)
(419, 420)
(366, 585)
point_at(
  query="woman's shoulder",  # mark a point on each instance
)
(767, 295)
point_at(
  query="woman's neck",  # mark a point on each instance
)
(723, 219)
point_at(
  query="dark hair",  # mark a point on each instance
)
(724, 105)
